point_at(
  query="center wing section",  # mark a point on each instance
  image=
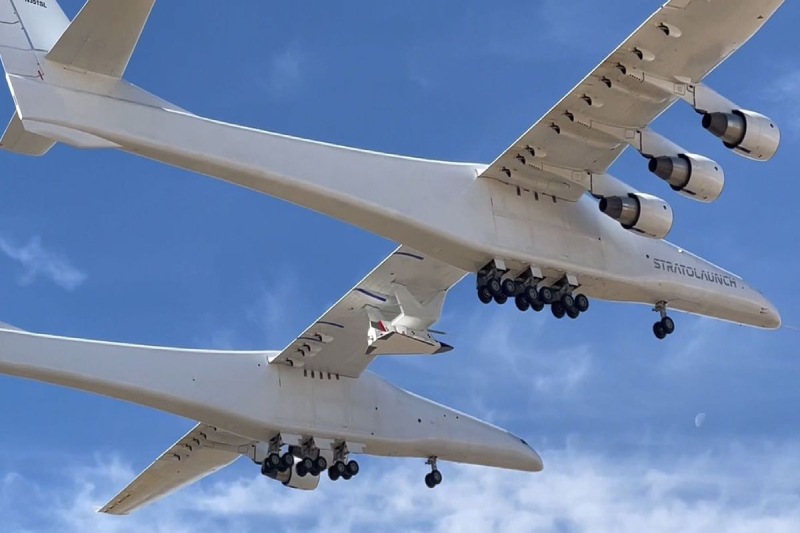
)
(388, 313)
(679, 46)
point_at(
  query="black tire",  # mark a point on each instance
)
(546, 295)
(308, 463)
(353, 468)
(509, 287)
(287, 460)
(436, 476)
(668, 324)
(265, 468)
(484, 295)
(301, 469)
(659, 331)
(429, 480)
(568, 301)
(581, 303)
(340, 467)
(315, 471)
(522, 302)
(346, 476)
(501, 299)
(321, 463)
(537, 306)
(531, 294)
(573, 313)
(495, 289)
(274, 461)
(558, 310)
(333, 474)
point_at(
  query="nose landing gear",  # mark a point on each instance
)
(434, 477)
(665, 326)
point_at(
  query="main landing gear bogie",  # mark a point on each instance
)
(494, 285)
(343, 470)
(277, 463)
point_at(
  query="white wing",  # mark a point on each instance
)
(203, 451)
(684, 40)
(388, 312)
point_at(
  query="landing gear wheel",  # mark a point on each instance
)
(287, 460)
(568, 301)
(581, 303)
(537, 306)
(531, 294)
(501, 299)
(274, 461)
(573, 313)
(346, 476)
(668, 324)
(353, 468)
(546, 295)
(320, 463)
(509, 287)
(494, 287)
(429, 482)
(315, 471)
(659, 331)
(333, 474)
(558, 310)
(522, 302)
(301, 469)
(484, 295)
(265, 468)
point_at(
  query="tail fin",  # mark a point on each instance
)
(38, 42)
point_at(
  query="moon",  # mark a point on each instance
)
(699, 419)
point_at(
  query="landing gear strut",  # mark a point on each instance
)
(434, 477)
(665, 326)
(275, 462)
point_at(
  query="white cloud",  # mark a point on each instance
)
(37, 261)
(783, 91)
(284, 73)
(739, 489)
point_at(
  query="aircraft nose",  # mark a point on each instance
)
(770, 317)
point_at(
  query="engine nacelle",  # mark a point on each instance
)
(749, 134)
(641, 213)
(692, 175)
(290, 478)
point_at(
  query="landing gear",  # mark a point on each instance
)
(522, 302)
(274, 462)
(665, 326)
(484, 295)
(434, 477)
(558, 310)
(581, 303)
(342, 468)
(546, 295)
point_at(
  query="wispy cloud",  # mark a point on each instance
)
(37, 261)
(735, 489)
(783, 91)
(284, 73)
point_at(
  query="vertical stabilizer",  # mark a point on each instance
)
(31, 24)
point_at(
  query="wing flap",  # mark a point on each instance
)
(201, 452)
(683, 41)
(103, 36)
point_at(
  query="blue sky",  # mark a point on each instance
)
(105, 245)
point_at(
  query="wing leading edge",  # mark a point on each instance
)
(388, 313)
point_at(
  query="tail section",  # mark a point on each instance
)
(39, 46)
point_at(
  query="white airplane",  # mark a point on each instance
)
(528, 223)
(297, 412)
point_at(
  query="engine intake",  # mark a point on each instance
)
(749, 134)
(641, 213)
(692, 175)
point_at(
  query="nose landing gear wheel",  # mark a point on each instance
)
(659, 331)
(668, 324)
(432, 479)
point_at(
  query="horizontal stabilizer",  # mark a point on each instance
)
(103, 36)
(19, 141)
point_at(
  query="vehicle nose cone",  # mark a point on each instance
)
(772, 318)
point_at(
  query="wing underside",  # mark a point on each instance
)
(681, 43)
(202, 451)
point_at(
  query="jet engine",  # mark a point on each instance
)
(692, 175)
(749, 134)
(640, 213)
(290, 478)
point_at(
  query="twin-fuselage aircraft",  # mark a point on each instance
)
(544, 225)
